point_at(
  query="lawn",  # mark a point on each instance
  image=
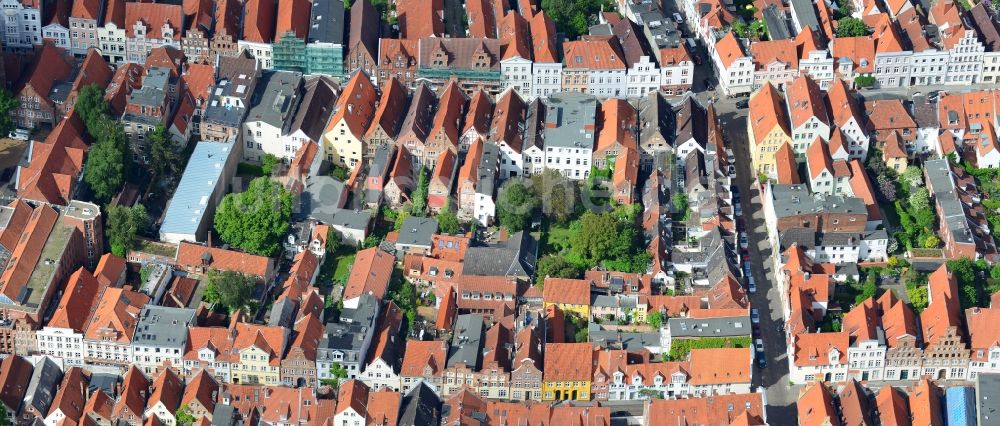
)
(560, 238)
(343, 269)
(680, 348)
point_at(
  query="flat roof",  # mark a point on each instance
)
(187, 209)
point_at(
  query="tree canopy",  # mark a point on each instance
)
(8, 103)
(160, 150)
(556, 267)
(230, 290)
(268, 163)
(419, 196)
(123, 224)
(850, 26)
(255, 220)
(104, 172)
(515, 204)
(559, 196)
(574, 17)
(447, 220)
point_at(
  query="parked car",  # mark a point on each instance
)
(19, 134)
(738, 208)
(746, 268)
(754, 316)
(742, 103)
(752, 286)
(759, 345)
(678, 17)
(744, 242)
(761, 363)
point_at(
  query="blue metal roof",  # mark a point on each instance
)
(201, 177)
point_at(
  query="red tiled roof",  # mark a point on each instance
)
(259, 21)
(193, 255)
(50, 65)
(566, 291)
(78, 302)
(356, 105)
(293, 16)
(568, 362)
(370, 274)
(154, 16)
(420, 18)
(86, 9)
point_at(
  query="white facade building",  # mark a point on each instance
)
(547, 78)
(58, 34)
(262, 51)
(111, 39)
(63, 343)
(22, 25)
(515, 73)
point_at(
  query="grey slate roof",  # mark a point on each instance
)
(709, 327)
(925, 112)
(603, 301)
(939, 174)
(316, 107)
(417, 231)
(319, 197)
(326, 22)
(988, 399)
(154, 88)
(626, 340)
(487, 171)
(275, 97)
(282, 313)
(43, 386)
(467, 343)
(420, 407)
(793, 200)
(569, 120)
(513, 258)
(161, 326)
(534, 126)
(219, 110)
(777, 27)
(105, 382)
(348, 335)
(805, 13)
(225, 415)
(352, 219)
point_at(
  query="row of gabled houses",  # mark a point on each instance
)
(934, 44)
(505, 49)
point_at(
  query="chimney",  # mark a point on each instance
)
(209, 242)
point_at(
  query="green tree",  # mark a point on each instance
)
(741, 29)
(598, 237)
(419, 196)
(865, 81)
(160, 150)
(913, 176)
(559, 196)
(230, 290)
(573, 17)
(184, 417)
(8, 103)
(850, 26)
(655, 319)
(995, 271)
(400, 216)
(332, 240)
(447, 220)
(255, 220)
(556, 267)
(515, 204)
(920, 199)
(269, 162)
(758, 29)
(91, 106)
(104, 172)
(337, 373)
(123, 224)
(932, 241)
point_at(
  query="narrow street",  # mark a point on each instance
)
(780, 395)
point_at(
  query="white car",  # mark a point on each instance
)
(752, 285)
(678, 17)
(19, 134)
(744, 242)
(759, 345)
(738, 209)
(755, 316)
